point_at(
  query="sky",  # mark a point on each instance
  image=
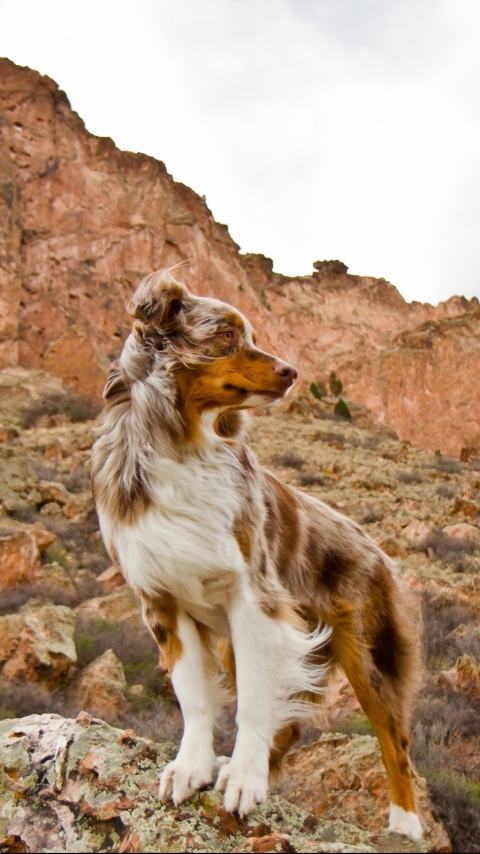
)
(316, 129)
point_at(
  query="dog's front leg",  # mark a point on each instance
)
(195, 761)
(255, 639)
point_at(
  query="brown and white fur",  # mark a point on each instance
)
(230, 562)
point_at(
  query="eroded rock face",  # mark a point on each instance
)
(92, 220)
(81, 785)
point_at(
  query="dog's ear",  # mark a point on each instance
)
(158, 300)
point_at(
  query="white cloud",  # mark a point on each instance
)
(316, 128)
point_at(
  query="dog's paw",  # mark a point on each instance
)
(404, 822)
(243, 785)
(181, 778)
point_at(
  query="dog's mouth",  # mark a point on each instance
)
(253, 392)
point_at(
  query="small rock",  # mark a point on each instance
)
(53, 491)
(111, 578)
(136, 690)
(51, 509)
(55, 451)
(468, 674)
(101, 689)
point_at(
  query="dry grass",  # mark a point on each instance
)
(410, 476)
(288, 460)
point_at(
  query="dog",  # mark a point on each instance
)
(236, 571)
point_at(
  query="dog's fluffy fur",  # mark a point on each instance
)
(233, 566)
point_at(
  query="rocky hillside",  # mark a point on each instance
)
(81, 222)
(72, 641)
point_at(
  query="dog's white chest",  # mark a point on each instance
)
(184, 542)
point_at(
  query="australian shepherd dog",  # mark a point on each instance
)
(237, 573)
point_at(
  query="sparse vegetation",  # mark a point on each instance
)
(410, 476)
(336, 385)
(318, 389)
(447, 490)
(342, 411)
(288, 460)
(372, 514)
(70, 406)
(309, 479)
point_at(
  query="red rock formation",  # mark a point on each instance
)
(82, 222)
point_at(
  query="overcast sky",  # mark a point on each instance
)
(316, 129)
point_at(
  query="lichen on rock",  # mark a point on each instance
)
(82, 785)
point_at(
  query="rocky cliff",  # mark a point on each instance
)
(82, 222)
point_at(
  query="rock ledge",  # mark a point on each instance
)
(82, 785)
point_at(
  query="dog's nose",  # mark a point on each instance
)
(286, 372)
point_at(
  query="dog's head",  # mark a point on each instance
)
(210, 347)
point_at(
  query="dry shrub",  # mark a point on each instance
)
(18, 699)
(443, 719)
(131, 642)
(14, 598)
(330, 437)
(372, 442)
(447, 490)
(458, 805)
(448, 465)
(410, 477)
(78, 538)
(75, 481)
(372, 514)
(440, 618)
(75, 407)
(308, 479)
(288, 460)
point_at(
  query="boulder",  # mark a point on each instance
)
(417, 533)
(463, 531)
(20, 549)
(115, 607)
(19, 559)
(101, 689)
(56, 581)
(81, 785)
(37, 644)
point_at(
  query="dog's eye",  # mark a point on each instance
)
(229, 335)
